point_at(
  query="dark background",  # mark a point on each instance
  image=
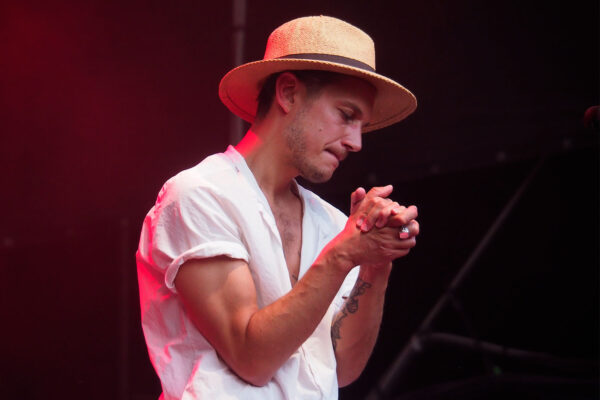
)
(101, 102)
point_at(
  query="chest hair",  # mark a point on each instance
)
(289, 224)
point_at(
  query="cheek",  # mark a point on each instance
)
(320, 127)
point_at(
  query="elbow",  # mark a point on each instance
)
(259, 380)
(253, 371)
(346, 376)
(255, 379)
(345, 381)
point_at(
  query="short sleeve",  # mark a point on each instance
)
(188, 222)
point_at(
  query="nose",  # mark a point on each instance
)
(352, 141)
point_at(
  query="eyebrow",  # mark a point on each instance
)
(357, 110)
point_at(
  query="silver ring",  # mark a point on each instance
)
(404, 232)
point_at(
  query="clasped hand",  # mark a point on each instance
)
(374, 227)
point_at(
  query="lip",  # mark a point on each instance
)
(334, 155)
(339, 156)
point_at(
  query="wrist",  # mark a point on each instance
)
(336, 258)
(375, 273)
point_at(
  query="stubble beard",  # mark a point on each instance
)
(295, 139)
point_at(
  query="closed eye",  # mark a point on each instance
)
(347, 117)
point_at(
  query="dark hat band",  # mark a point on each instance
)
(330, 58)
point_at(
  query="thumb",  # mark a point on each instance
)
(356, 198)
(381, 191)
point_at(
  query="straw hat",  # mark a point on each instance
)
(317, 43)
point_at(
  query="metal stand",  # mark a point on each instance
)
(239, 37)
(423, 335)
(124, 310)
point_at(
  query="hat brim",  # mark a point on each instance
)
(240, 87)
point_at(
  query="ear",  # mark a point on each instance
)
(287, 88)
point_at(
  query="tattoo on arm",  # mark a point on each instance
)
(350, 307)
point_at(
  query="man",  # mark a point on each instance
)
(249, 284)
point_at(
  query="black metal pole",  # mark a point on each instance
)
(125, 258)
(238, 42)
(415, 344)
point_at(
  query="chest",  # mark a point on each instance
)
(289, 224)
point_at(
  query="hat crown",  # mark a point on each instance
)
(321, 35)
(317, 43)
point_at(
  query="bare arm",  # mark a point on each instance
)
(220, 297)
(355, 328)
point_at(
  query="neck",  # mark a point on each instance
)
(264, 154)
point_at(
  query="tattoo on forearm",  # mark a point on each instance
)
(350, 307)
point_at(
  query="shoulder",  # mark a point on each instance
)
(210, 177)
(212, 171)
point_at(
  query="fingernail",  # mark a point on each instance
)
(359, 222)
(364, 227)
(404, 235)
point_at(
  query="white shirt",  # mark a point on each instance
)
(217, 208)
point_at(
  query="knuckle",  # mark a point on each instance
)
(417, 228)
(403, 219)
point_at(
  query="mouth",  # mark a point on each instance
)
(339, 156)
(334, 156)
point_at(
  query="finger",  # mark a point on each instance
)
(409, 230)
(378, 206)
(406, 244)
(367, 217)
(404, 232)
(390, 242)
(356, 198)
(391, 209)
(398, 210)
(380, 191)
(403, 217)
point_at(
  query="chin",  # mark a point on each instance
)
(315, 172)
(320, 180)
(318, 176)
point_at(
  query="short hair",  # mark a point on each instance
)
(314, 80)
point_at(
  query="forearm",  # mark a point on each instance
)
(356, 326)
(276, 331)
